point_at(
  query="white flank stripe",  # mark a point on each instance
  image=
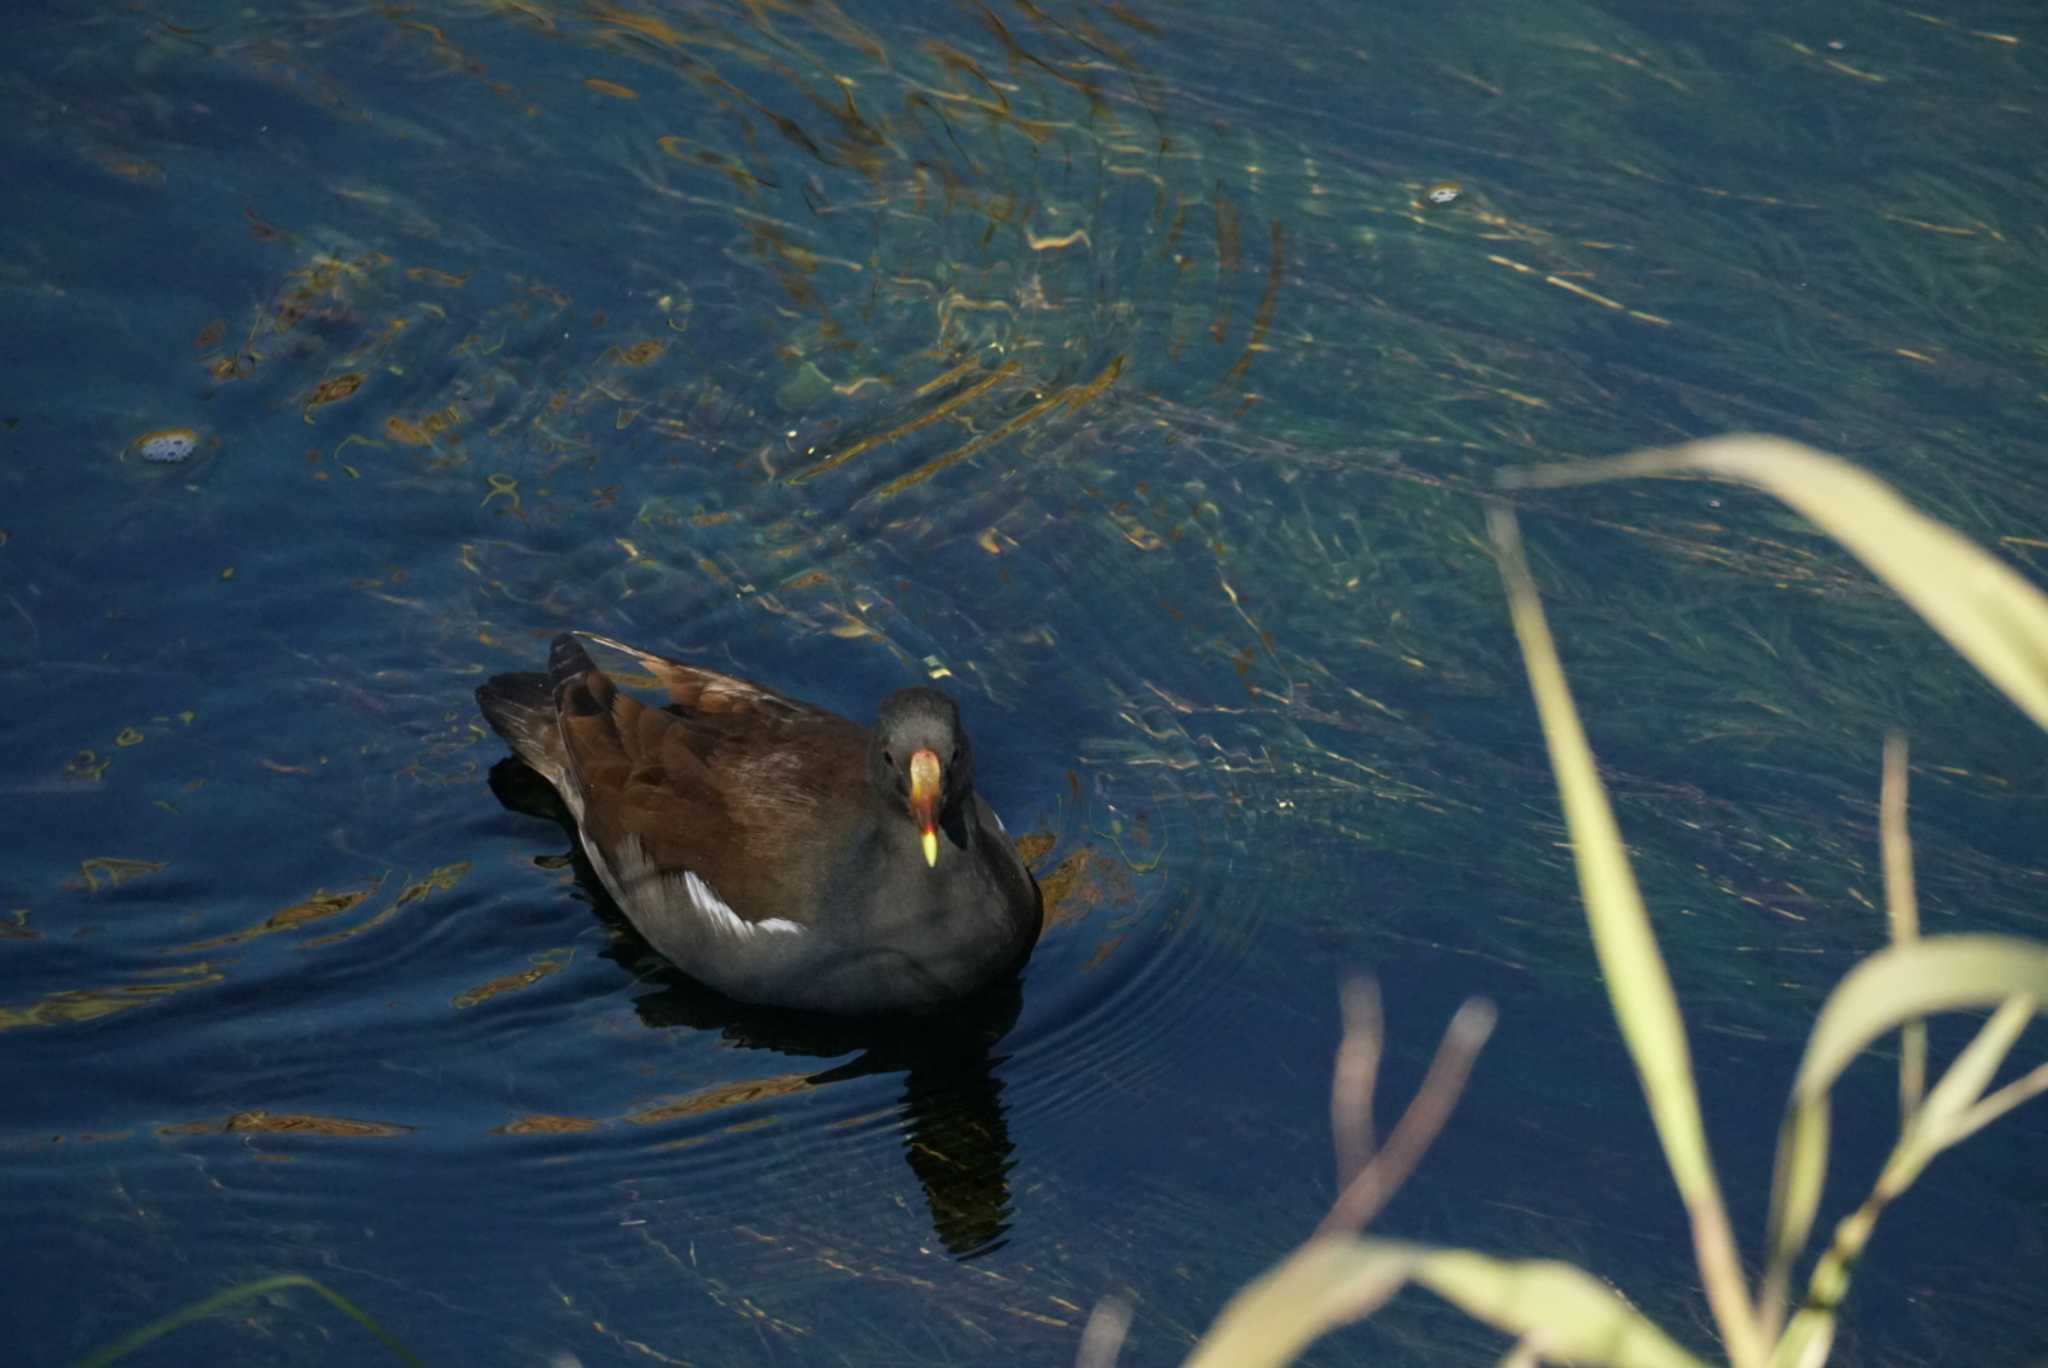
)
(715, 910)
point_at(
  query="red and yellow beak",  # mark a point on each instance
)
(924, 801)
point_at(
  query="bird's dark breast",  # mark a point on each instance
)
(942, 932)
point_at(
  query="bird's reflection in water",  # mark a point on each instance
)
(954, 1133)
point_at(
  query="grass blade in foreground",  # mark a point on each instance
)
(1637, 982)
(1566, 1314)
(1985, 609)
(1569, 1315)
(1893, 986)
(1328, 1282)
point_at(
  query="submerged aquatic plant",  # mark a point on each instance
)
(1556, 1311)
(232, 1296)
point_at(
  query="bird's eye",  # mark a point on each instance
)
(890, 756)
(956, 752)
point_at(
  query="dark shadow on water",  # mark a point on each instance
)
(955, 1135)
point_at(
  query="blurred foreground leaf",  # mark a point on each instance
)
(1638, 984)
(1566, 1314)
(1985, 609)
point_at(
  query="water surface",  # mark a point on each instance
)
(1111, 367)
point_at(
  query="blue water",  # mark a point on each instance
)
(1164, 408)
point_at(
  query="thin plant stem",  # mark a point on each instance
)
(2027, 1085)
(1103, 1337)
(1903, 910)
(1366, 1194)
(1355, 1077)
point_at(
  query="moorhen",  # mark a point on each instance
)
(771, 849)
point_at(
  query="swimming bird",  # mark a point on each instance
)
(776, 851)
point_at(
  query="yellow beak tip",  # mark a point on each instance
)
(931, 849)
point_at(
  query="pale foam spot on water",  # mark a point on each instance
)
(167, 446)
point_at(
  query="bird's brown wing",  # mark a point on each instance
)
(751, 792)
(694, 690)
